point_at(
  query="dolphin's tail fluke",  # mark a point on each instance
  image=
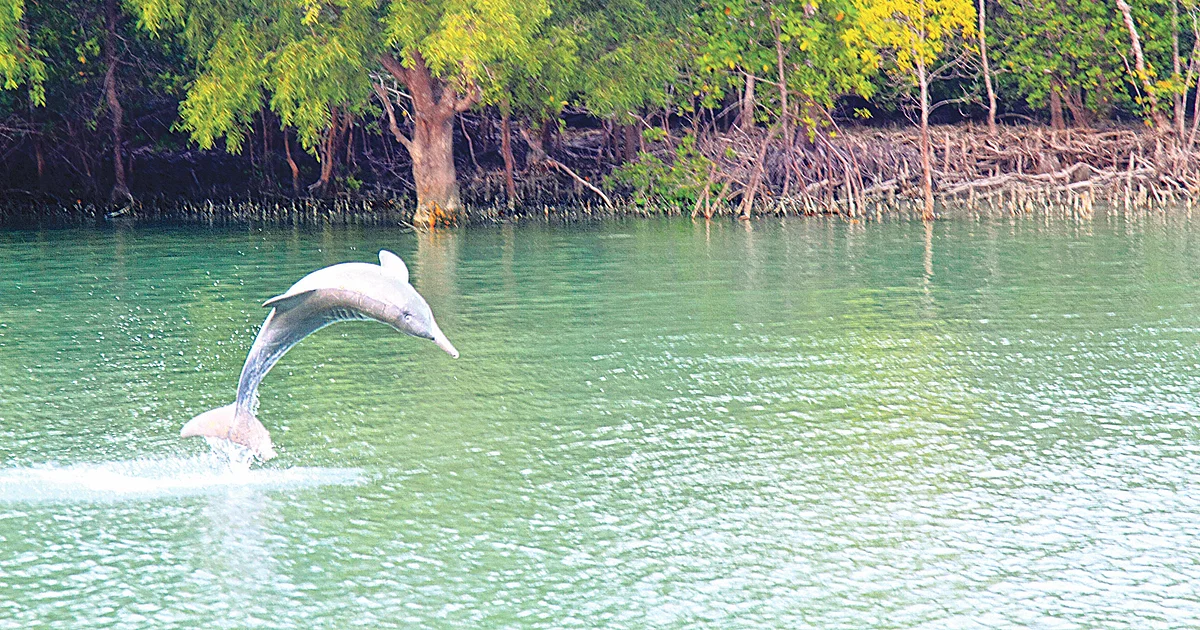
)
(225, 423)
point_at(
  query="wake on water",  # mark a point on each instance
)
(225, 468)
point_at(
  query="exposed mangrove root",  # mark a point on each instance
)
(870, 171)
(264, 211)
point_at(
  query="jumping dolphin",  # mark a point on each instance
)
(349, 291)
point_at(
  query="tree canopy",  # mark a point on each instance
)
(229, 74)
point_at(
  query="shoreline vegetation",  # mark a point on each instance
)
(862, 173)
(448, 113)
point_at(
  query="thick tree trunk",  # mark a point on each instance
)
(120, 191)
(434, 174)
(926, 158)
(1056, 112)
(987, 73)
(510, 186)
(1139, 62)
(434, 106)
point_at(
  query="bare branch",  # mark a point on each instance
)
(563, 167)
(391, 114)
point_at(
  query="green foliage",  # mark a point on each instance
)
(615, 59)
(654, 134)
(20, 64)
(739, 37)
(308, 56)
(1081, 49)
(222, 64)
(464, 41)
(654, 181)
(1154, 22)
(542, 87)
(64, 110)
(730, 40)
(311, 56)
(1045, 45)
(633, 52)
(541, 80)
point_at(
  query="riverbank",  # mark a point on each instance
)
(856, 172)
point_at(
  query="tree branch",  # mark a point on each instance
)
(391, 114)
(473, 96)
(563, 167)
(393, 66)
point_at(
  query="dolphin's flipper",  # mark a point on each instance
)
(225, 423)
(287, 300)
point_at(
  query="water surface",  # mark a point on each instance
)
(797, 423)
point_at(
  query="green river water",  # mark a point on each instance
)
(654, 424)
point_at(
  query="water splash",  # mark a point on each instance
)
(236, 457)
(226, 467)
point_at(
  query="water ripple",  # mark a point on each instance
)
(780, 424)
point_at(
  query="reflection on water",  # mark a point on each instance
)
(979, 423)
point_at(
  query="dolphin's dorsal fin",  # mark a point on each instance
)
(392, 264)
(287, 300)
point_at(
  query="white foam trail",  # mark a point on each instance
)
(157, 478)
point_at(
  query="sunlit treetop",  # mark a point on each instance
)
(462, 41)
(910, 32)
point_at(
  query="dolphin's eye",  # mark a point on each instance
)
(408, 318)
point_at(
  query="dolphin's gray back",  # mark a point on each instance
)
(359, 277)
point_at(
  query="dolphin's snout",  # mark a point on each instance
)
(445, 344)
(442, 342)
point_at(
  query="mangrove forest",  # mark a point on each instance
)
(447, 111)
